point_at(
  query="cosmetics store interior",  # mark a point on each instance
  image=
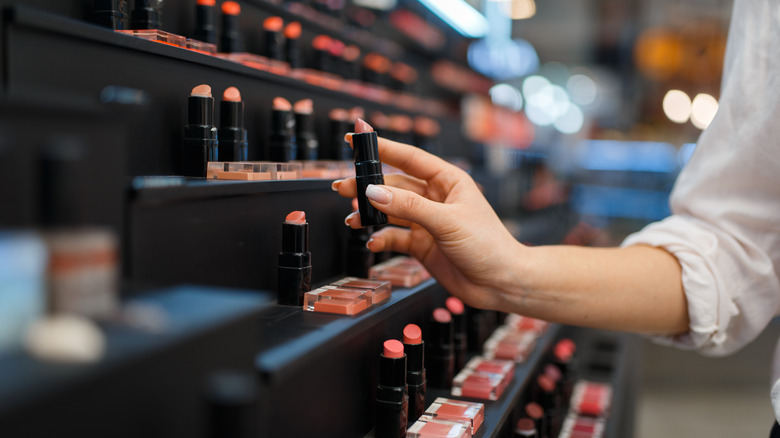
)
(174, 262)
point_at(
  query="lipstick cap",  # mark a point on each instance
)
(366, 147)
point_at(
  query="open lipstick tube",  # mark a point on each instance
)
(200, 134)
(392, 401)
(368, 170)
(294, 270)
(415, 371)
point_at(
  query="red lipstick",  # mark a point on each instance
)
(233, 145)
(281, 142)
(415, 371)
(205, 29)
(368, 170)
(231, 39)
(392, 401)
(294, 271)
(200, 134)
(441, 357)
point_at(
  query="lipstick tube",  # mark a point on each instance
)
(339, 149)
(230, 42)
(392, 400)
(112, 14)
(281, 142)
(441, 357)
(415, 371)
(205, 29)
(272, 29)
(359, 257)
(564, 355)
(305, 138)
(146, 14)
(458, 311)
(368, 170)
(294, 270)
(233, 145)
(292, 51)
(200, 134)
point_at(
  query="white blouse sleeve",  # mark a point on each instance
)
(725, 226)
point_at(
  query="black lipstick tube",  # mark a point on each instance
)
(200, 137)
(292, 52)
(368, 170)
(231, 39)
(281, 142)
(233, 145)
(294, 271)
(392, 401)
(307, 144)
(273, 44)
(339, 149)
(146, 14)
(415, 379)
(113, 14)
(205, 29)
(460, 339)
(359, 258)
(441, 357)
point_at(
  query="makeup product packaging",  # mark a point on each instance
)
(564, 355)
(577, 426)
(402, 271)
(281, 143)
(146, 14)
(457, 410)
(591, 398)
(510, 344)
(525, 428)
(233, 145)
(368, 170)
(292, 50)
(378, 291)
(458, 311)
(294, 271)
(338, 300)
(253, 171)
(306, 139)
(441, 357)
(359, 257)
(524, 323)
(113, 14)
(427, 427)
(339, 125)
(230, 41)
(414, 347)
(392, 400)
(483, 379)
(272, 30)
(205, 22)
(200, 134)
(549, 401)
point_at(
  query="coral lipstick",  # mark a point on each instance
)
(392, 401)
(415, 371)
(305, 138)
(292, 51)
(205, 30)
(281, 142)
(233, 144)
(272, 27)
(294, 271)
(231, 39)
(458, 311)
(200, 134)
(368, 170)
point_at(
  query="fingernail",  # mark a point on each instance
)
(335, 185)
(349, 217)
(368, 244)
(348, 136)
(378, 194)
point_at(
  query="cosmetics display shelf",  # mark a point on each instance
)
(45, 22)
(151, 380)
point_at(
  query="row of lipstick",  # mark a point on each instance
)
(292, 136)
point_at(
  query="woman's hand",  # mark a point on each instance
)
(447, 224)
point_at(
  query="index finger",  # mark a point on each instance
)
(410, 159)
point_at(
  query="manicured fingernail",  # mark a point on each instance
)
(348, 136)
(335, 185)
(349, 217)
(378, 194)
(368, 244)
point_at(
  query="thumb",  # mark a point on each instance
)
(405, 205)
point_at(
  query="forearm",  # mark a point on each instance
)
(635, 289)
